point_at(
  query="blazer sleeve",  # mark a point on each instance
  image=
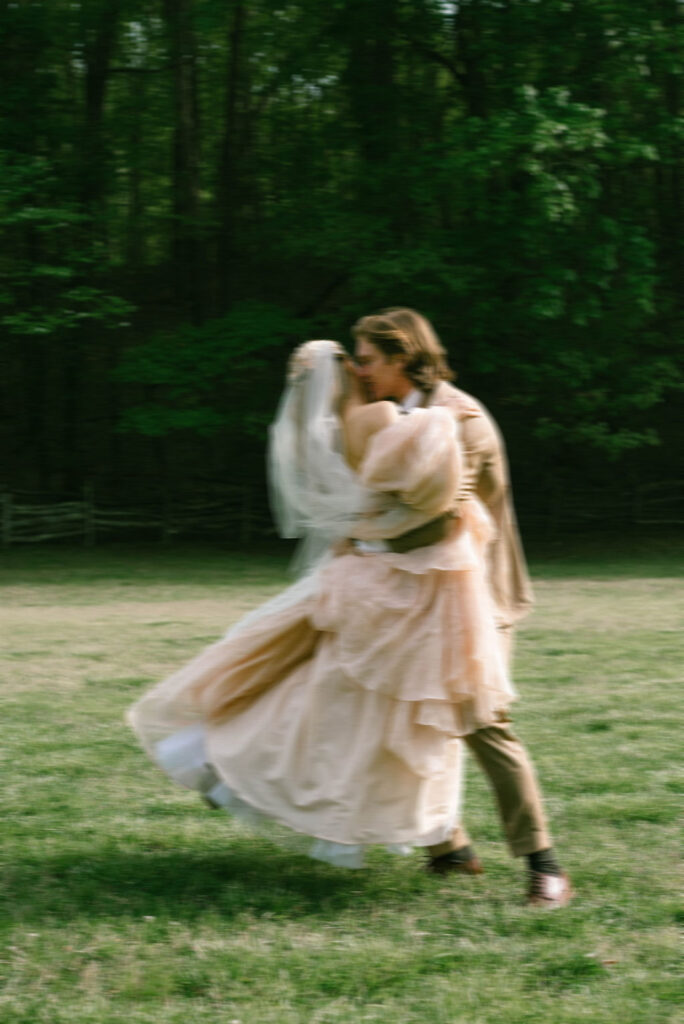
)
(485, 476)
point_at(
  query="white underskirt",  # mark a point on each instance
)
(183, 757)
(371, 546)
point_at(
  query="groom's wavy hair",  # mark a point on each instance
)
(402, 331)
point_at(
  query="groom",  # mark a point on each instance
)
(400, 357)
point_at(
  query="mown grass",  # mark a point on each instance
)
(124, 899)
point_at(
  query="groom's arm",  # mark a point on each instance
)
(485, 475)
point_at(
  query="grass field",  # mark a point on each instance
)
(124, 899)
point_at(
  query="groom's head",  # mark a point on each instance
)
(398, 350)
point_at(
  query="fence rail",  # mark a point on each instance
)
(241, 516)
(654, 503)
(26, 521)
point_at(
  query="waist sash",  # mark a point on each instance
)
(422, 536)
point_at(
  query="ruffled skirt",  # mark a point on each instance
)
(336, 708)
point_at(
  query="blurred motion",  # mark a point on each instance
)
(336, 707)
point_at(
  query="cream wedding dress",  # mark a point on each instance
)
(335, 709)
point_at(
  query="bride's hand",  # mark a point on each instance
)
(356, 393)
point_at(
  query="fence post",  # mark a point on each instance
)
(167, 524)
(554, 505)
(6, 519)
(637, 503)
(246, 517)
(89, 514)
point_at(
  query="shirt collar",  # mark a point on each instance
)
(412, 400)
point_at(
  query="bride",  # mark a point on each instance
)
(335, 708)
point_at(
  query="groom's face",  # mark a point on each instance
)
(382, 376)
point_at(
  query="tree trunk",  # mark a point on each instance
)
(185, 247)
(99, 43)
(467, 36)
(228, 185)
(670, 179)
(135, 241)
(374, 104)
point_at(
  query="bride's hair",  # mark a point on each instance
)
(402, 331)
(302, 362)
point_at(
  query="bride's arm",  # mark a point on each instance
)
(412, 470)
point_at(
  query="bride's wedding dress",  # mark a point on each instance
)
(336, 707)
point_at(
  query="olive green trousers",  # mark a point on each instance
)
(507, 765)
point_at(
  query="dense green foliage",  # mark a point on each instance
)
(189, 187)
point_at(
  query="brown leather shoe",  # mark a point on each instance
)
(447, 864)
(549, 891)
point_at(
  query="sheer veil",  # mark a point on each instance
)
(315, 496)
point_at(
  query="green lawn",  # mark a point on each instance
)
(125, 899)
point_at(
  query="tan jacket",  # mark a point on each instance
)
(486, 475)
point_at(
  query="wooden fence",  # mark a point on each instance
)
(30, 518)
(560, 510)
(240, 516)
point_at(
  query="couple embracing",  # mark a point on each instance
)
(341, 707)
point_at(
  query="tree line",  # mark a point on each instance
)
(188, 188)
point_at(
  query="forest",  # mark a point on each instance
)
(188, 188)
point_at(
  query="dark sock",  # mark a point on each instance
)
(461, 856)
(544, 861)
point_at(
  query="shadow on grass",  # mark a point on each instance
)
(184, 885)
